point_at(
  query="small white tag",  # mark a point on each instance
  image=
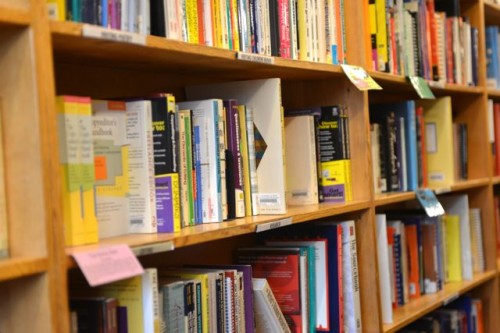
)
(273, 225)
(108, 264)
(93, 31)
(255, 58)
(154, 248)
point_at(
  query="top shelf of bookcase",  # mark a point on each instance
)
(14, 16)
(70, 46)
(203, 233)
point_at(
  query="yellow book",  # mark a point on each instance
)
(439, 141)
(372, 13)
(382, 47)
(217, 24)
(77, 169)
(302, 8)
(335, 181)
(203, 277)
(234, 25)
(57, 9)
(245, 160)
(192, 21)
(140, 295)
(453, 267)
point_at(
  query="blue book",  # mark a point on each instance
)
(464, 303)
(104, 13)
(492, 69)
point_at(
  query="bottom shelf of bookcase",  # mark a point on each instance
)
(417, 308)
(13, 268)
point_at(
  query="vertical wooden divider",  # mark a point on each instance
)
(50, 161)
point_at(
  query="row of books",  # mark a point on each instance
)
(300, 283)
(412, 144)
(424, 38)
(465, 315)
(152, 164)
(417, 254)
(312, 30)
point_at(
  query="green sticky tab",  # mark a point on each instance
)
(421, 87)
(360, 78)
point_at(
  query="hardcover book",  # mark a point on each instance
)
(111, 160)
(268, 315)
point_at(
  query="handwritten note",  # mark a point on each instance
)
(108, 264)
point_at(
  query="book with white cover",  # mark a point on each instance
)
(205, 126)
(476, 230)
(142, 196)
(383, 268)
(111, 156)
(301, 163)
(459, 205)
(350, 280)
(264, 98)
(268, 315)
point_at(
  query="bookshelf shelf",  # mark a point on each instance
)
(392, 198)
(13, 268)
(495, 180)
(491, 12)
(494, 93)
(179, 57)
(463, 185)
(427, 303)
(14, 16)
(215, 231)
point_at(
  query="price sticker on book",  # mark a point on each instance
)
(421, 87)
(108, 264)
(429, 202)
(93, 31)
(273, 225)
(360, 78)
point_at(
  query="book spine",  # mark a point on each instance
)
(252, 161)
(245, 162)
(284, 28)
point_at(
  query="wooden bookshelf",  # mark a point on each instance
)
(392, 198)
(18, 268)
(415, 309)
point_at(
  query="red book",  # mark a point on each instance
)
(432, 31)
(414, 269)
(392, 265)
(449, 51)
(284, 28)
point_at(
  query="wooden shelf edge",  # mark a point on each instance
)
(64, 32)
(13, 268)
(427, 303)
(492, 7)
(495, 180)
(391, 198)
(495, 93)
(463, 185)
(14, 16)
(215, 231)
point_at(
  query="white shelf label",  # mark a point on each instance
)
(263, 59)
(273, 225)
(108, 264)
(93, 31)
(154, 248)
(451, 299)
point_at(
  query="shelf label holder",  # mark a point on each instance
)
(273, 225)
(429, 202)
(108, 264)
(92, 31)
(360, 78)
(153, 248)
(252, 57)
(421, 87)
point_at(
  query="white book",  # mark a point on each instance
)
(252, 164)
(268, 315)
(264, 98)
(205, 125)
(124, 15)
(151, 301)
(350, 280)
(173, 16)
(207, 23)
(111, 158)
(144, 18)
(384, 278)
(477, 240)
(142, 195)
(459, 205)
(301, 162)
(378, 184)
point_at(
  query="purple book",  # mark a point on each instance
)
(121, 318)
(235, 196)
(167, 197)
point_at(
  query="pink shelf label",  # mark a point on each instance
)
(108, 264)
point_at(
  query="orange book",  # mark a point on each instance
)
(414, 269)
(479, 313)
